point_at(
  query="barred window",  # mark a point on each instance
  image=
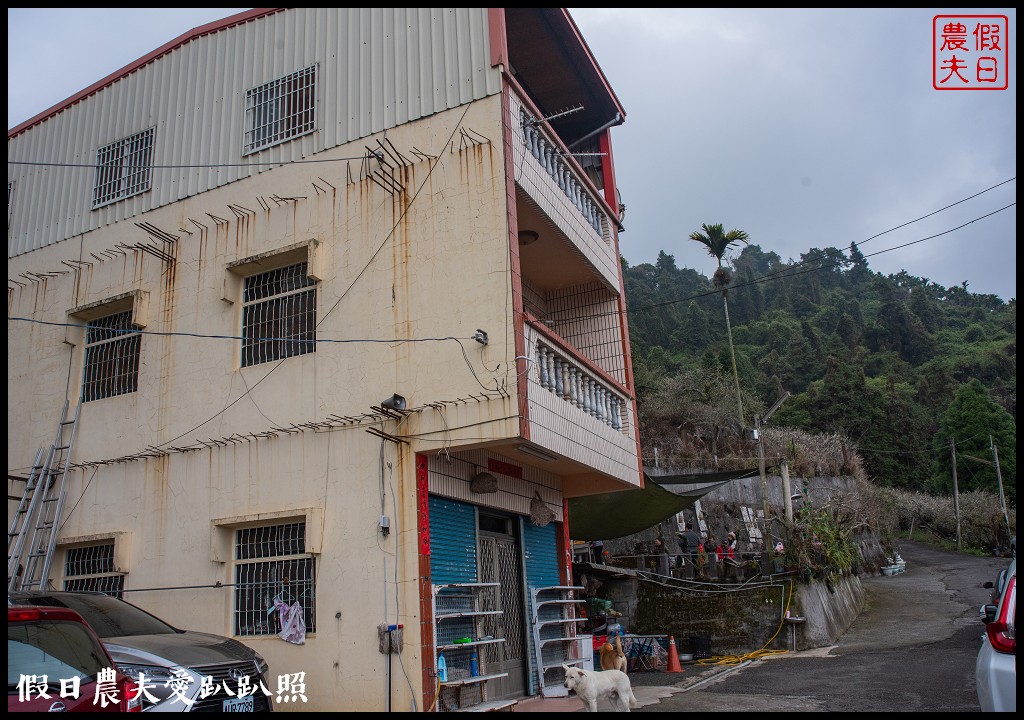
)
(111, 357)
(280, 110)
(123, 168)
(91, 569)
(271, 564)
(278, 315)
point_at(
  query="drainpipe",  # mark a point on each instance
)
(617, 120)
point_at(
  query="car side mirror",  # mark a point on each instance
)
(989, 613)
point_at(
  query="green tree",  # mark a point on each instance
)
(970, 420)
(717, 242)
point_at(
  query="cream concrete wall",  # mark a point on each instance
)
(430, 263)
(426, 267)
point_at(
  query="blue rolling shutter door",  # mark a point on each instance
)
(452, 541)
(540, 560)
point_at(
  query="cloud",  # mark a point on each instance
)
(806, 128)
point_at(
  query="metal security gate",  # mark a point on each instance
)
(500, 562)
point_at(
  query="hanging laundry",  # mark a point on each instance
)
(293, 623)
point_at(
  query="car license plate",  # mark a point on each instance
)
(242, 704)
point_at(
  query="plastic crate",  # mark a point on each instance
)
(701, 646)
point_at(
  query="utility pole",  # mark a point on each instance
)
(787, 498)
(999, 477)
(956, 495)
(763, 472)
(758, 421)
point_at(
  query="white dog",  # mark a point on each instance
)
(591, 686)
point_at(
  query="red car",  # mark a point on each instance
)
(56, 663)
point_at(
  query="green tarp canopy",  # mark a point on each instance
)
(607, 516)
(701, 478)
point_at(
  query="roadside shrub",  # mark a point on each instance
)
(904, 514)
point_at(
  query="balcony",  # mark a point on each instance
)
(576, 409)
(556, 196)
(573, 384)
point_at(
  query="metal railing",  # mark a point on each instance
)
(744, 566)
(569, 381)
(550, 157)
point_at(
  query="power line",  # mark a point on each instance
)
(936, 212)
(788, 272)
(795, 269)
(187, 167)
(398, 222)
(119, 331)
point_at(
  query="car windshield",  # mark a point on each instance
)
(53, 651)
(108, 616)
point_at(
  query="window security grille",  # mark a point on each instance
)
(111, 357)
(280, 110)
(278, 315)
(271, 564)
(91, 569)
(123, 168)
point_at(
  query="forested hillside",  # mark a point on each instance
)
(894, 367)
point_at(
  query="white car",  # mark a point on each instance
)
(996, 669)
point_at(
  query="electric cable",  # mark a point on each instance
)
(261, 339)
(763, 651)
(785, 274)
(798, 268)
(405, 210)
(204, 166)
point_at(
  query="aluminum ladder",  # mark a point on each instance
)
(32, 538)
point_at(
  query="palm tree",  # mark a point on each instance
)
(717, 242)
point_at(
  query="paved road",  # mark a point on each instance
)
(911, 650)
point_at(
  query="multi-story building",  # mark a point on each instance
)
(334, 298)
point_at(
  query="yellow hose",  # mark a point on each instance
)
(437, 695)
(756, 654)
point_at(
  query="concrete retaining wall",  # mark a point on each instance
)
(743, 617)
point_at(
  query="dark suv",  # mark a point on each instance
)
(55, 663)
(181, 671)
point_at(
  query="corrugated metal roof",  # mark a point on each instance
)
(378, 68)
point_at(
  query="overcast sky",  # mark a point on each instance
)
(805, 128)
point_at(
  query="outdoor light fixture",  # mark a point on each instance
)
(395, 402)
(528, 237)
(536, 452)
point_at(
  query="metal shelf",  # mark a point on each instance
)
(569, 601)
(462, 603)
(560, 622)
(553, 610)
(560, 663)
(544, 641)
(467, 613)
(464, 585)
(474, 643)
(489, 706)
(471, 680)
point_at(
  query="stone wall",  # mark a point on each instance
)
(746, 616)
(737, 618)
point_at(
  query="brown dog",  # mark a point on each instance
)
(612, 657)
